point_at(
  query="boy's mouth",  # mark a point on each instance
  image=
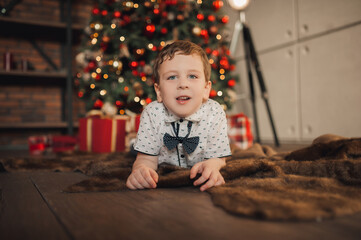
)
(182, 99)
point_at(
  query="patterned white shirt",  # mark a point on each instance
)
(209, 123)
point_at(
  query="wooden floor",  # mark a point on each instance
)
(33, 206)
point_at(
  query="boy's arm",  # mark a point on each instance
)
(210, 171)
(143, 172)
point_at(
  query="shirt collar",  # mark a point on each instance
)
(195, 117)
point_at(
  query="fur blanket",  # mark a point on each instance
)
(317, 182)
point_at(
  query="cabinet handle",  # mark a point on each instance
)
(307, 129)
(305, 50)
(289, 54)
(304, 28)
(288, 33)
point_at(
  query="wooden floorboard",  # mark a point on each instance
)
(23, 212)
(183, 213)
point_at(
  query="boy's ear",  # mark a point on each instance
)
(157, 91)
(207, 91)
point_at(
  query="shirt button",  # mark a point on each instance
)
(182, 156)
(181, 120)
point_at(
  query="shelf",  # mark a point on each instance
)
(40, 74)
(17, 77)
(37, 23)
(55, 31)
(36, 125)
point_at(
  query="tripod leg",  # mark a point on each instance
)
(250, 81)
(253, 56)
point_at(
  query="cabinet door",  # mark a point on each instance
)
(271, 23)
(279, 72)
(324, 15)
(330, 81)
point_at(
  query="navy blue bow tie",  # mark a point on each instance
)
(189, 144)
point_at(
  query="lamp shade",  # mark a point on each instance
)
(238, 4)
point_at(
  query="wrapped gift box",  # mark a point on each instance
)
(239, 130)
(51, 144)
(103, 135)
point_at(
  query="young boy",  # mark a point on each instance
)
(183, 127)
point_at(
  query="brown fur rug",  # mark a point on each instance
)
(317, 182)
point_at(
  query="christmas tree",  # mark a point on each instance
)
(123, 38)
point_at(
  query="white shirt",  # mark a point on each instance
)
(209, 123)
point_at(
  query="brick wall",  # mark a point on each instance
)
(29, 101)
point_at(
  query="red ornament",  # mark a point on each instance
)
(80, 94)
(134, 64)
(97, 77)
(200, 16)
(231, 83)
(218, 4)
(215, 53)
(150, 28)
(211, 18)
(164, 30)
(204, 33)
(148, 100)
(98, 104)
(156, 11)
(135, 73)
(104, 12)
(96, 11)
(117, 14)
(213, 93)
(224, 62)
(225, 19)
(208, 50)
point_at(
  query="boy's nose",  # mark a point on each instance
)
(182, 83)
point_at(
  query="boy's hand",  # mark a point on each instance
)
(210, 171)
(142, 177)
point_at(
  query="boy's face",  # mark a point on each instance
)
(182, 86)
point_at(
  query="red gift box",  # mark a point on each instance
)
(239, 130)
(49, 143)
(102, 135)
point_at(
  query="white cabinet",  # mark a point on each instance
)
(326, 15)
(271, 22)
(310, 54)
(330, 84)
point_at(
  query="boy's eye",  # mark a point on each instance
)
(171, 77)
(192, 76)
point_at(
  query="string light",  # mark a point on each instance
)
(222, 77)
(92, 86)
(94, 75)
(105, 76)
(219, 93)
(122, 38)
(113, 26)
(94, 41)
(219, 36)
(103, 92)
(136, 99)
(120, 80)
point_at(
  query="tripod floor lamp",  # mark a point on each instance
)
(251, 60)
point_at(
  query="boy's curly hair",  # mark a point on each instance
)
(184, 48)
